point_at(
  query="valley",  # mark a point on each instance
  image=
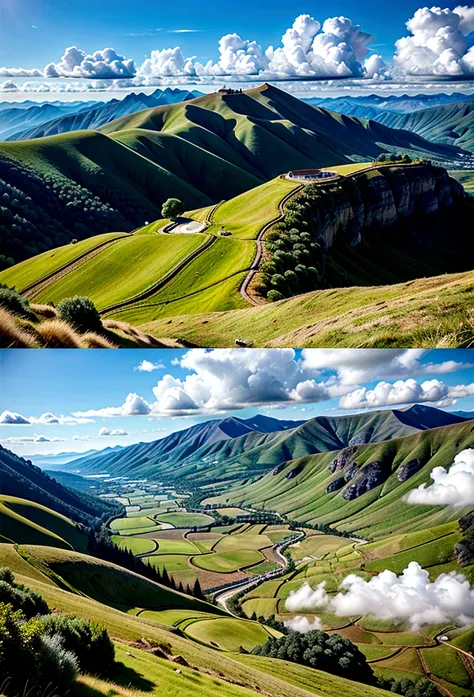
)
(229, 519)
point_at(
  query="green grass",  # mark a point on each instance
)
(25, 522)
(228, 634)
(31, 270)
(138, 545)
(182, 520)
(122, 270)
(167, 546)
(226, 562)
(428, 312)
(245, 215)
(170, 562)
(129, 524)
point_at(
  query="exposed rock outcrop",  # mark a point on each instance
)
(370, 476)
(409, 469)
(295, 471)
(342, 459)
(336, 485)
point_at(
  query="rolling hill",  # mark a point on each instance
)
(214, 147)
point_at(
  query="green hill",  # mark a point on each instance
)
(360, 488)
(25, 522)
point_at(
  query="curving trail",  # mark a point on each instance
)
(42, 283)
(259, 239)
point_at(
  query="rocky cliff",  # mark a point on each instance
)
(380, 198)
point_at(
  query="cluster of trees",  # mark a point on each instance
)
(39, 211)
(465, 547)
(408, 688)
(317, 649)
(389, 157)
(102, 546)
(41, 651)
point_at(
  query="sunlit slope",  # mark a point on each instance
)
(25, 522)
(426, 312)
(271, 131)
(122, 270)
(367, 485)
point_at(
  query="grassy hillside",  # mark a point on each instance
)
(25, 522)
(20, 478)
(361, 490)
(428, 312)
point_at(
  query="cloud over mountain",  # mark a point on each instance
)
(106, 63)
(438, 43)
(453, 486)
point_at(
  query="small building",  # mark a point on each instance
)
(311, 174)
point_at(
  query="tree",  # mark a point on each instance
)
(81, 313)
(172, 208)
(274, 295)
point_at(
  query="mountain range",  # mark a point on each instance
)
(233, 448)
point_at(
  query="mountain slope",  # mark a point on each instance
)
(20, 478)
(208, 453)
(361, 489)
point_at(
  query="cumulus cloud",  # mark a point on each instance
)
(354, 366)
(32, 439)
(303, 625)
(13, 419)
(400, 392)
(337, 48)
(134, 405)
(106, 63)
(148, 367)
(438, 43)
(113, 432)
(453, 486)
(410, 597)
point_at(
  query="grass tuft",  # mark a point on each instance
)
(58, 334)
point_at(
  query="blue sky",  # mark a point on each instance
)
(92, 25)
(92, 390)
(34, 33)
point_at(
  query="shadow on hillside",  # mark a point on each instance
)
(123, 677)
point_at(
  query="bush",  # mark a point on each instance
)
(87, 640)
(24, 599)
(274, 295)
(13, 302)
(81, 313)
(172, 208)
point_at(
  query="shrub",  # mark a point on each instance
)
(57, 334)
(24, 599)
(317, 649)
(86, 639)
(13, 302)
(172, 208)
(92, 340)
(81, 313)
(274, 295)
(12, 335)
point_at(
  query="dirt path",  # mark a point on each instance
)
(258, 257)
(43, 283)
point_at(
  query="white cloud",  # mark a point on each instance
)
(400, 392)
(148, 367)
(303, 625)
(355, 366)
(410, 597)
(453, 486)
(134, 405)
(106, 63)
(12, 418)
(32, 439)
(114, 432)
(20, 72)
(337, 48)
(438, 43)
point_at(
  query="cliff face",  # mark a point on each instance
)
(381, 198)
